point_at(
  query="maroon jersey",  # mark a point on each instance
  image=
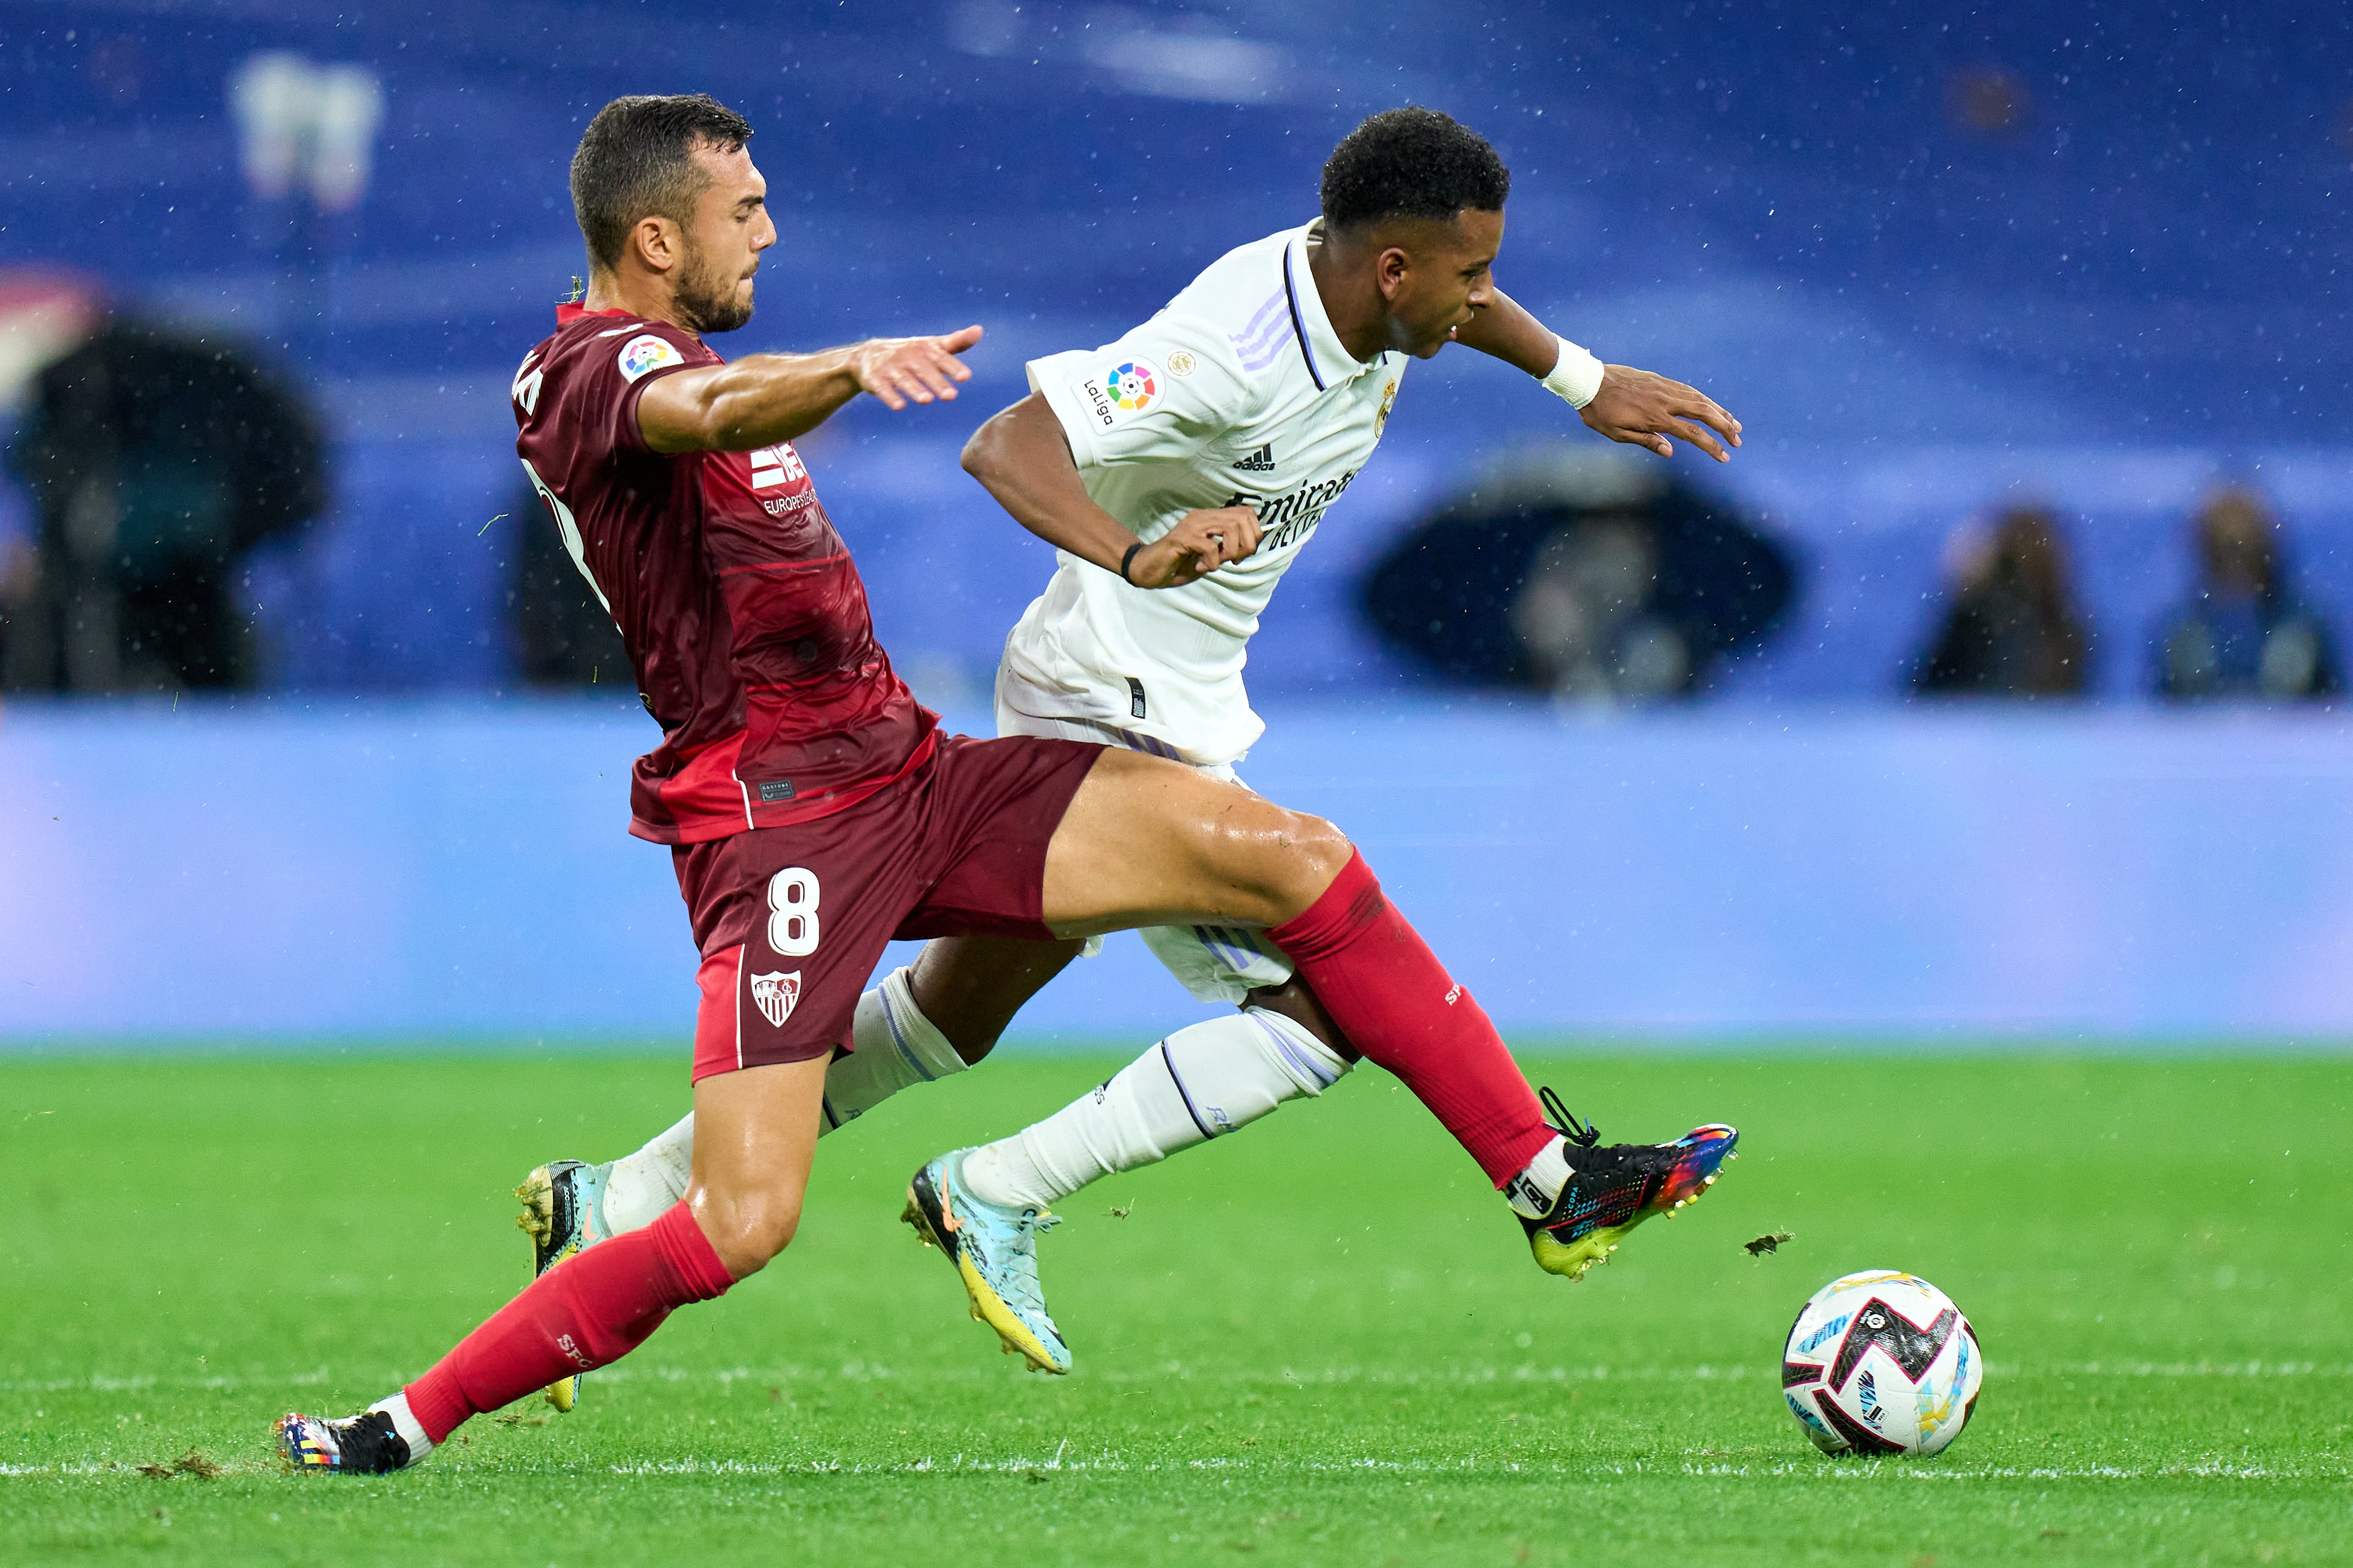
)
(742, 613)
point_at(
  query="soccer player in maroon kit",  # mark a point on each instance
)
(813, 809)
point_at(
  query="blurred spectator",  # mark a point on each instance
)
(1595, 576)
(154, 460)
(2012, 629)
(2244, 633)
(564, 636)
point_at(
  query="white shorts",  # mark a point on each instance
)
(1216, 964)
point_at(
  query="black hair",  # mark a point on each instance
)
(1411, 162)
(636, 161)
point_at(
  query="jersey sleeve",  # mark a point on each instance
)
(1170, 390)
(624, 365)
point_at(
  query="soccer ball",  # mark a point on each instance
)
(1882, 1362)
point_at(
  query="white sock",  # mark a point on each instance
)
(640, 1188)
(1195, 1085)
(894, 1046)
(1535, 1190)
(405, 1422)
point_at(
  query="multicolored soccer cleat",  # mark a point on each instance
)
(362, 1445)
(563, 1213)
(1611, 1191)
(994, 1251)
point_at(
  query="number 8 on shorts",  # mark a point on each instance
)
(792, 924)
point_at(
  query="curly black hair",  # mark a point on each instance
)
(1411, 162)
(636, 161)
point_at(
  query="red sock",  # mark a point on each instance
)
(1396, 1003)
(587, 1310)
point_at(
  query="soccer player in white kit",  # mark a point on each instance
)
(1180, 470)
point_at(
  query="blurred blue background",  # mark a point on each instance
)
(1938, 259)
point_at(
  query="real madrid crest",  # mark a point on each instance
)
(1388, 400)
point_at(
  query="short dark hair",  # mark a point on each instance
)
(1411, 162)
(636, 161)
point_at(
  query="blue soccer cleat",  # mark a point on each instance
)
(563, 1213)
(1611, 1190)
(362, 1445)
(994, 1251)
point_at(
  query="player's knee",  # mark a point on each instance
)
(1316, 851)
(747, 1231)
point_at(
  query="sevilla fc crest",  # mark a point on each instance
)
(776, 993)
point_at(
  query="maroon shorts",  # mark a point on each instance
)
(791, 920)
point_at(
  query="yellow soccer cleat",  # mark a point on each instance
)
(563, 1213)
(995, 1252)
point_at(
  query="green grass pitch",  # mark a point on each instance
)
(1320, 1342)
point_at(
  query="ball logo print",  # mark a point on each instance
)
(775, 993)
(1132, 387)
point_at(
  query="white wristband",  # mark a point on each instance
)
(1577, 377)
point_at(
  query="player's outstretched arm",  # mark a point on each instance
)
(765, 398)
(1638, 407)
(1023, 458)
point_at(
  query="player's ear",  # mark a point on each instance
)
(1389, 270)
(657, 243)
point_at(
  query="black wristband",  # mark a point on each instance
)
(1128, 560)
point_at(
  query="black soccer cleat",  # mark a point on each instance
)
(1611, 1190)
(362, 1445)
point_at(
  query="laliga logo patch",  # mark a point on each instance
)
(648, 352)
(775, 993)
(1132, 387)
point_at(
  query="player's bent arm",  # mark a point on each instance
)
(1638, 407)
(762, 399)
(1023, 458)
(1504, 329)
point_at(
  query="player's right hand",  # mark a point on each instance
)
(900, 371)
(1199, 543)
(1642, 408)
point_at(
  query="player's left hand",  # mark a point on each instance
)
(1643, 409)
(900, 371)
(1200, 543)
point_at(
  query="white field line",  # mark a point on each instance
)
(1525, 1372)
(1819, 1471)
(1815, 1470)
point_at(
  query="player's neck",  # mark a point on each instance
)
(637, 293)
(1352, 302)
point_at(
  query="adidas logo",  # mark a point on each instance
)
(1259, 462)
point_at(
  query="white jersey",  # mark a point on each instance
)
(1238, 393)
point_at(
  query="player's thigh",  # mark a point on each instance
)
(971, 986)
(1149, 842)
(755, 1135)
